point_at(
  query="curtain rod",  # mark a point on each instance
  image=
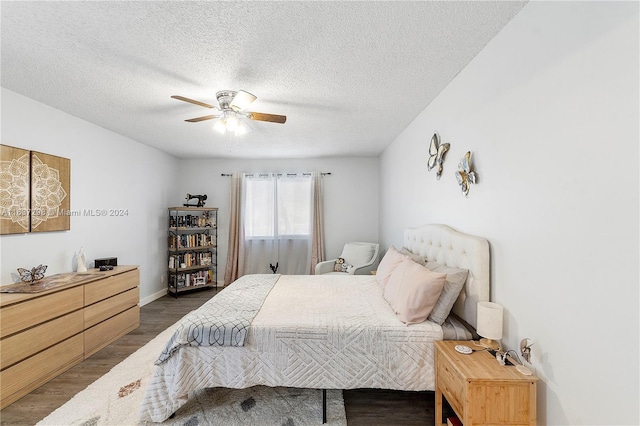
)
(229, 174)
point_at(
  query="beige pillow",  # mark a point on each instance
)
(415, 257)
(391, 259)
(413, 290)
(453, 285)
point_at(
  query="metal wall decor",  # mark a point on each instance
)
(436, 154)
(465, 175)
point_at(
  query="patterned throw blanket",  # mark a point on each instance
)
(225, 319)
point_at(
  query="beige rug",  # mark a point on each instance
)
(114, 399)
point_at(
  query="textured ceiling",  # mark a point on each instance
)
(349, 76)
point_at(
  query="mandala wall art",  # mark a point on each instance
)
(34, 191)
(15, 186)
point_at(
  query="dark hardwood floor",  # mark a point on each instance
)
(363, 406)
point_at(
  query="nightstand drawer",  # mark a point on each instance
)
(452, 387)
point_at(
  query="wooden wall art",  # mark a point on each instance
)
(34, 191)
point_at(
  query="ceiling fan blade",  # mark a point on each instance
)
(241, 100)
(191, 101)
(206, 117)
(272, 118)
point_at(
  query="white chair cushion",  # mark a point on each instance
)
(357, 254)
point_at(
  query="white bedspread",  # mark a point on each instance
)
(324, 332)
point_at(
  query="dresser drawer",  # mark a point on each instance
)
(36, 311)
(99, 290)
(99, 336)
(107, 308)
(451, 385)
(22, 378)
(22, 345)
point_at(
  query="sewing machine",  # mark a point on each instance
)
(201, 199)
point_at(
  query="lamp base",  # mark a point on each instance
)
(491, 344)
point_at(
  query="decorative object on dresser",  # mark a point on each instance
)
(70, 318)
(192, 248)
(465, 175)
(105, 261)
(30, 276)
(480, 391)
(81, 259)
(490, 324)
(35, 189)
(436, 154)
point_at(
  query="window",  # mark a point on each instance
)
(277, 222)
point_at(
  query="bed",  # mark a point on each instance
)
(323, 332)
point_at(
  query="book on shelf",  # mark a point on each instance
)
(453, 421)
(205, 220)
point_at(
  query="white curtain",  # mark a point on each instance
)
(278, 218)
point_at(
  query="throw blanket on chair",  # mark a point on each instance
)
(225, 319)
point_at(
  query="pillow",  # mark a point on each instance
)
(416, 258)
(413, 290)
(391, 259)
(453, 285)
(357, 254)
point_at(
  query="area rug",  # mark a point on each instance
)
(114, 399)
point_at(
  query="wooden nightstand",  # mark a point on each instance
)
(481, 391)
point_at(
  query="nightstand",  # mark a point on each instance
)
(481, 391)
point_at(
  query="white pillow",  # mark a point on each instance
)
(413, 290)
(357, 254)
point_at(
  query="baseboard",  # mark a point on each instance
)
(154, 296)
(161, 293)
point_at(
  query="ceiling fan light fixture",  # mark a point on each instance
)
(243, 128)
(241, 100)
(220, 126)
(232, 123)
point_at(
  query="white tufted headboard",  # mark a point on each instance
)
(442, 244)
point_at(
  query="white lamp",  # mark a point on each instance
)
(490, 324)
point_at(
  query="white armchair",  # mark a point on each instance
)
(362, 256)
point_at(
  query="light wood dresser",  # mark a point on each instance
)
(43, 334)
(481, 391)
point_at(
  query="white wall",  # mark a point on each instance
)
(550, 111)
(108, 171)
(351, 195)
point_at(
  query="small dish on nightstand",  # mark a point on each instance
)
(463, 349)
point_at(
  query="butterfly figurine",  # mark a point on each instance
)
(464, 175)
(32, 275)
(436, 154)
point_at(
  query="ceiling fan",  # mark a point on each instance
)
(231, 111)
